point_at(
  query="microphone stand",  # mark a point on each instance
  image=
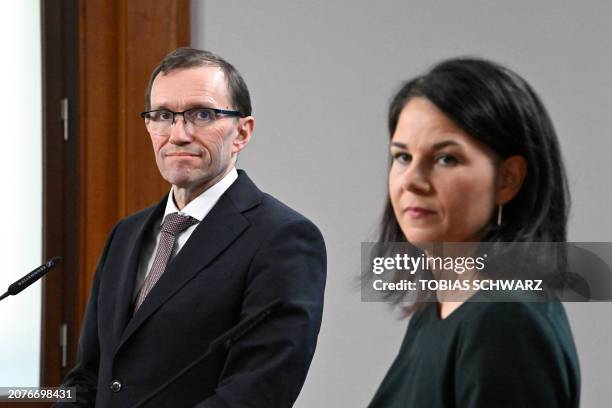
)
(223, 342)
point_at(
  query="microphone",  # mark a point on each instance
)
(31, 277)
(223, 342)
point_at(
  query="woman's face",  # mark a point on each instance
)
(442, 181)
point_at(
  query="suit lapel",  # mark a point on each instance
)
(217, 231)
(128, 270)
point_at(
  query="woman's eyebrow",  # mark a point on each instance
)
(445, 143)
(435, 146)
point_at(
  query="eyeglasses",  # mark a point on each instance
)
(160, 120)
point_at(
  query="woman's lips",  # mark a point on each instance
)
(418, 212)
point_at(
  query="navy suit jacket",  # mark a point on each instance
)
(248, 251)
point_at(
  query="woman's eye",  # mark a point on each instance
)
(402, 158)
(447, 160)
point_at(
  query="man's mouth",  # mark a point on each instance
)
(182, 154)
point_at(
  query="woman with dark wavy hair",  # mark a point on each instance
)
(475, 159)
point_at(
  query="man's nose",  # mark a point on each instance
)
(179, 131)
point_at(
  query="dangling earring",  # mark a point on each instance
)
(499, 214)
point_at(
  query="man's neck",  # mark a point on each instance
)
(184, 195)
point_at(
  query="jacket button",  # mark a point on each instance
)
(115, 386)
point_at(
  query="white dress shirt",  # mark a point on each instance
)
(198, 208)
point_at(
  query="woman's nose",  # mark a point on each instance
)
(416, 179)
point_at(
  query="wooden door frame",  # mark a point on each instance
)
(61, 187)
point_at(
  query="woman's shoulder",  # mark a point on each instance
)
(545, 316)
(523, 351)
(489, 310)
(540, 326)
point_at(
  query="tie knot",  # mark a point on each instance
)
(176, 223)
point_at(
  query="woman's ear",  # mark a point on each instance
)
(510, 176)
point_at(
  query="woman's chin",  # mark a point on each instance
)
(424, 239)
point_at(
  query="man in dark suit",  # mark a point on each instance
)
(175, 276)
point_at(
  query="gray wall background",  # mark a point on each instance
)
(321, 74)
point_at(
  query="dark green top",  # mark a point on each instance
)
(489, 355)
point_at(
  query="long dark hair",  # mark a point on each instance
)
(500, 109)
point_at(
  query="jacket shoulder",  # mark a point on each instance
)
(272, 212)
(137, 219)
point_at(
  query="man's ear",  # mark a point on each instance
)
(510, 176)
(245, 130)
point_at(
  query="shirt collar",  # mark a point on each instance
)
(200, 206)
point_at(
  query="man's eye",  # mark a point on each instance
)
(447, 160)
(402, 158)
(204, 115)
(161, 116)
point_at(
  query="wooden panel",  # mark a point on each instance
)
(99, 137)
(144, 186)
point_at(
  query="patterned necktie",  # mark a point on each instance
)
(173, 225)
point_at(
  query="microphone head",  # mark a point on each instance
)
(33, 276)
(54, 261)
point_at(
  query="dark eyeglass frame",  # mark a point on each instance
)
(215, 110)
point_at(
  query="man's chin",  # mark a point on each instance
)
(182, 175)
(192, 180)
(189, 183)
